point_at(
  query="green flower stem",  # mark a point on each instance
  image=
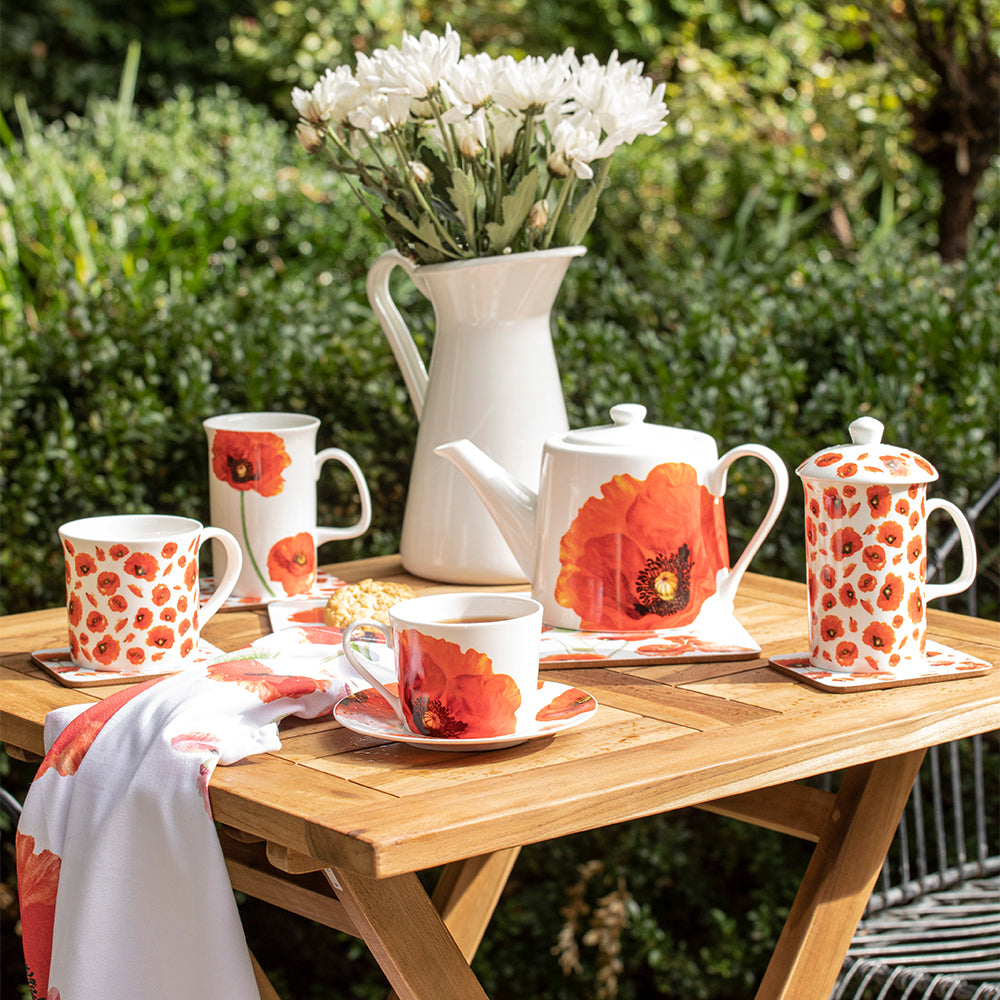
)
(246, 543)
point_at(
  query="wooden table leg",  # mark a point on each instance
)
(839, 879)
(406, 936)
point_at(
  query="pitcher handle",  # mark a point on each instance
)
(717, 485)
(404, 349)
(969, 561)
(326, 534)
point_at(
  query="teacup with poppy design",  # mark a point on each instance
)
(866, 554)
(132, 590)
(466, 664)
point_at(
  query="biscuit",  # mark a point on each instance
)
(367, 599)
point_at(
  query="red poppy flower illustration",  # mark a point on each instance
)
(890, 596)
(829, 458)
(847, 653)
(844, 542)
(903, 507)
(833, 503)
(135, 655)
(142, 565)
(292, 562)
(162, 637)
(262, 681)
(106, 650)
(828, 576)
(896, 464)
(810, 531)
(644, 554)
(879, 636)
(847, 596)
(829, 601)
(74, 609)
(37, 885)
(191, 575)
(572, 657)
(849, 490)
(96, 622)
(453, 693)
(168, 550)
(867, 582)
(568, 704)
(874, 557)
(161, 594)
(890, 534)
(108, 582)
(914, 548)
(118, 551)
(847, 470)
(143, 618)
(250, 460)
(879, 500)
(187, 646)
(85, 565)
(915, 606)
(831, 627)
(168, 615)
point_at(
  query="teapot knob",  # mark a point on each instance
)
(628, 413)
(866, 430)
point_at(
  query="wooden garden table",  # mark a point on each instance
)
(335, 825)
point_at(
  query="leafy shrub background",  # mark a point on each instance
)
(178, 257)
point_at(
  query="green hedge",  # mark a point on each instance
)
(163, 267)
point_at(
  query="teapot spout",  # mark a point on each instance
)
(510, 503)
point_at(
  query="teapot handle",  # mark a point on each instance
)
(716, 484)
(404, 349)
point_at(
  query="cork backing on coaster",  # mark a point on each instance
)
(941, 663)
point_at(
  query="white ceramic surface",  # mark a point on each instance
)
(263, 471)
(492, 378)
(627, 530)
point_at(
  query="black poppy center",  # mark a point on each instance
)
(242, 469)
(432, 718)
(663, 586)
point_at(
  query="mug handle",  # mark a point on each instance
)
(716, 483)
(361, 525)
(355, 662)
(969, 562)
(234, 563)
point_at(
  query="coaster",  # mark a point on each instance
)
(562, 648)
(941, 663)
(323, 587)
(59, 664)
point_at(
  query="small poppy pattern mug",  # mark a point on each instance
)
(263, 471)
(866, 514)
(466, 664)
(132, 590)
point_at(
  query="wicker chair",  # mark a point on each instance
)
(932, 927)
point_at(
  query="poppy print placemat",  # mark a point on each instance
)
(941, 663)
(566, 648)
(323, 587)
(59, 664)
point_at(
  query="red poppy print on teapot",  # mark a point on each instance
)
(866, 554)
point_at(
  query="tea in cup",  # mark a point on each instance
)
(466, 664)
(132, 590)
(263, 471)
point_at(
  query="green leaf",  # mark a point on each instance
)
(463, 195)
(582, 216)
(423, 230)
(514, 210)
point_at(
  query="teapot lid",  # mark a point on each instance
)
(867, 459)
(627, 430)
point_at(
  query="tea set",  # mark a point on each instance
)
(624, 536)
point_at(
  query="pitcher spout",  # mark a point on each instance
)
(510, 503)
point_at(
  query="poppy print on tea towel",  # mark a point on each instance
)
(292, 563)
(645, 554)
(454, 693)
(250, 460)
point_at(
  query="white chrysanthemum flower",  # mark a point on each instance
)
(420, 64)
(574, 147)
(505, 125)
(473, 79)
(470, 134)
(381, 113)
(330, 100)
(533, 83)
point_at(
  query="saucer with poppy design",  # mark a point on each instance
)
(940, 663)
(560, 707)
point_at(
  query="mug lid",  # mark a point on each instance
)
(867, 459)
(628, 431)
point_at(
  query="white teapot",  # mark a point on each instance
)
(627, 531)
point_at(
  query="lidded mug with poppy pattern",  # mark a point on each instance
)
(866, 554)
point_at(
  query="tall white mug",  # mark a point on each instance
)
(263, 473)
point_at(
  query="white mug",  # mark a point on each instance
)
(132, 589)
(466, 664)
(263, 470)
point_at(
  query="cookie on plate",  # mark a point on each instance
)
(367, 599)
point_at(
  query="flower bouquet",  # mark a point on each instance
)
(472, 156)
